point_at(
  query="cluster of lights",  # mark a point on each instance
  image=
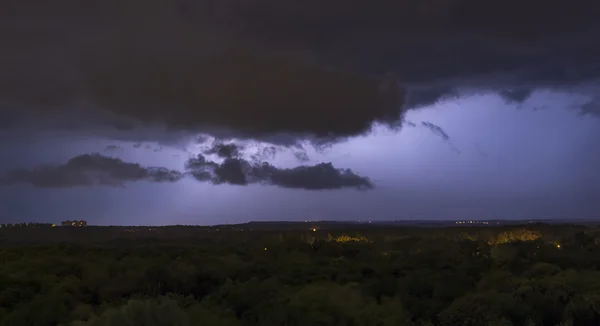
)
(471, 222)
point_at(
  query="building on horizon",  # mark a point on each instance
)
(74, 223)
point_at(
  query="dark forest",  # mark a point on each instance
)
(532, 274)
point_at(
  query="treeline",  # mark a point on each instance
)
(447, 277)
(27, 225)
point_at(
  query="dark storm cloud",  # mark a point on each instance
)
(516, 95)
(184, 73)
(253, 95)
(265, 153)
(120, 124)
(89, 170)
(271, 67)
(428, 96)
(437, 47)
(224, 150)
(237, 171)
(256, 152)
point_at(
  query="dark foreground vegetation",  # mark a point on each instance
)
(517, 275)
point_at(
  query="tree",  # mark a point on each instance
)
(163, 312)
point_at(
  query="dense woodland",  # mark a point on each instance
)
(518, 275)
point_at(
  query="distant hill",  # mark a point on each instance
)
(270, 225)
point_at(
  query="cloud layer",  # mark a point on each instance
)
(224, 150)
(175, 71)
(272, 67)
(237, 171)
(98, 170)
(90, 170)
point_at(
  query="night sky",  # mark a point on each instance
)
(211, 111)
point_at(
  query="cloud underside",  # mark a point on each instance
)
(90, 170)
(238, 171)
(95, 169)
(270, 67)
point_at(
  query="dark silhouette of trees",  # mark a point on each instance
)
(180, 276)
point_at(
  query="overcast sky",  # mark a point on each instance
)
(276, 111)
